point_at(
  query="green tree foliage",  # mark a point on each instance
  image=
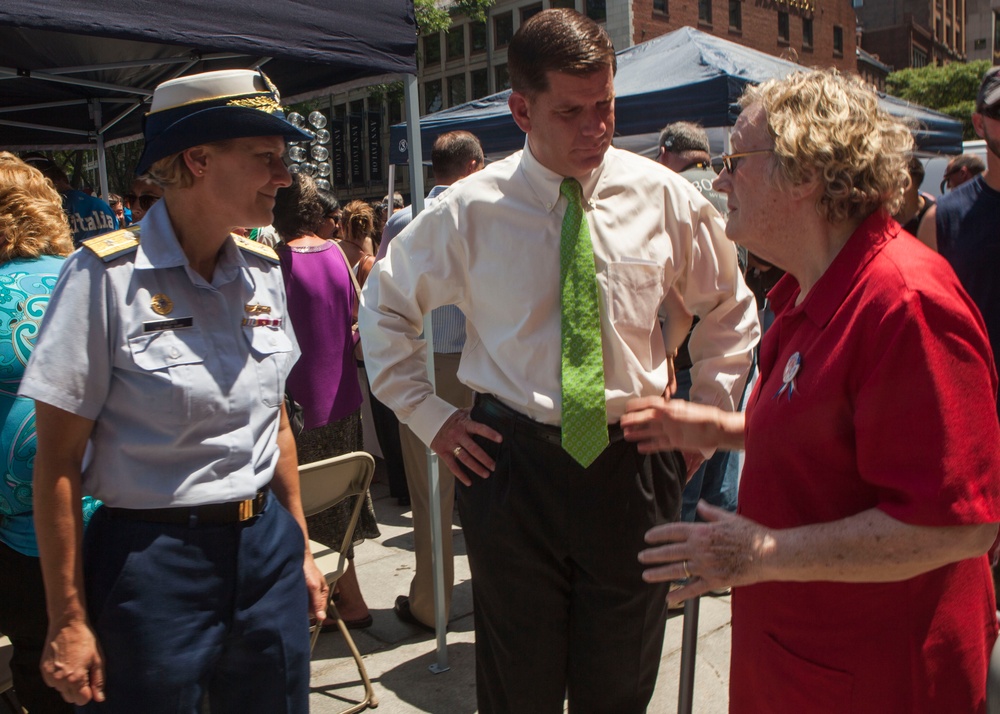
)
(950, 89)
(433, 16)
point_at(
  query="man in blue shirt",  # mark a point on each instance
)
(88, 216)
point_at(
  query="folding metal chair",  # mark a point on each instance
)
(324, 484)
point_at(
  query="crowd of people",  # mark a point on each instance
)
(620, 347)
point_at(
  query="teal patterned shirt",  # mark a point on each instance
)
(25, 286)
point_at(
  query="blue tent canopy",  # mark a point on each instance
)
(59, 60)
(685, 75)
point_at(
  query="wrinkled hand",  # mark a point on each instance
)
(72, 663)
(456, 434)
(660, 424)
(724, 551)
(319, 591)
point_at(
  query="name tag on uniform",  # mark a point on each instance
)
(175, 323)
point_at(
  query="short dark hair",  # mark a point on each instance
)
(329, 202)
(973, 163)
(297, 207)
(684, 136)
(557, 40)
(916, 171)
(452, 153)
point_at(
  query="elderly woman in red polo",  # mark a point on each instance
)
(871, 489)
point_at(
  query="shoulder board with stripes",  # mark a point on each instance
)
(259, 249)
(112, 245)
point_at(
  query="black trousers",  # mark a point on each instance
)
(561, 609)
(24, 621)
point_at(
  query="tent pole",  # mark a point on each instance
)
(433, 474)
(102, 162)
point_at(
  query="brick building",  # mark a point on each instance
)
(982, 18)
(469, 60)
(914, 33)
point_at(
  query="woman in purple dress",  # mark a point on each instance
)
(322, 306)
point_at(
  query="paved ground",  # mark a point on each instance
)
(398, 656)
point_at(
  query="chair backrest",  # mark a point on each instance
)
(326, 483)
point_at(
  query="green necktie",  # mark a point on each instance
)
(584, 409)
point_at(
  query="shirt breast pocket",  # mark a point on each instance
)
(271, 349)
(635, 290)
(172, 370)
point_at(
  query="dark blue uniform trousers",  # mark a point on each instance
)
(561, 609)
(183, 613)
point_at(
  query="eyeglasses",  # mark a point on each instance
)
(731, 161)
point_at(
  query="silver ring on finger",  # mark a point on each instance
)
(457, 451)
(687, 572)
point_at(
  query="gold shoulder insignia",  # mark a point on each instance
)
(112, 245)
(259, 249)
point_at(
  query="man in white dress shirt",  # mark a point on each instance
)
(560, 605)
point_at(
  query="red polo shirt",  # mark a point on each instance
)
(892, 407)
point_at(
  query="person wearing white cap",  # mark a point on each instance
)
(164, 357)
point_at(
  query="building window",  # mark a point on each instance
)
(528, 12)
(502, 78)
(782, 28)
(480, 83)
(919, 58)
(807, 33)
(432, 96)
(979, 44)
(477, 37)
(568, 4)
(838, 41)
(959, 47)
(455, 41)
(503, 29)
(432, 50)
(736, 15)
(597, 10)
(660, 6)
(705, 12)
(456, 89)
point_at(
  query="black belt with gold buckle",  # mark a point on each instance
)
(210, 514)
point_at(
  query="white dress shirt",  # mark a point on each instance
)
(491, 246)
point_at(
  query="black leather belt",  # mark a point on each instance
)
(210, 514)
(525, 425)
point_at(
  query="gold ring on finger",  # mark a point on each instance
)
(687, 572)
(457, 451)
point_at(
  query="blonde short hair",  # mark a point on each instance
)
(32, 221)
(173, 172)
(828, 124)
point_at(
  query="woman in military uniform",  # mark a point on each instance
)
(167, 351)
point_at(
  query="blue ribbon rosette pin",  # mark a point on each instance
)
(792, 367)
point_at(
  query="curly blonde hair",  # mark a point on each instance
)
(830, 125)
(358, 219)
(32, 221)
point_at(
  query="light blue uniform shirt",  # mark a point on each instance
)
(185, 401)
(448, 321)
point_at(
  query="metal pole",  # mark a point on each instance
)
(433, 475)
(102, 161)
(689, 653)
